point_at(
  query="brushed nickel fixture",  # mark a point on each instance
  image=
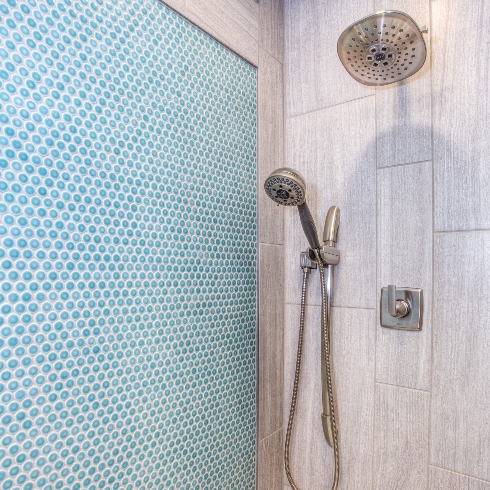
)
(401, 308)
(330, 254)
(287, 187)
(383, 48)
(331, 257)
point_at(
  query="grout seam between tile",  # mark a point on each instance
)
(459, 474)
(403, 387)
(200, 24)
(259, 291)
(431, 366)
(283, 219)
(448, 232)
(376, 224)
(328, 107)
(403, 165)
(262, 48)
(272, 244)
(333, 306)
(271, 434)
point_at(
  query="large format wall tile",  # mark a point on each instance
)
(403, 110)
(461, 84)
(308, 445)
(353, 345)
(460, 433)
(401, 436)
(233, 22)
(270, 144)
(271, 467)
(315, 76)
(447, 480)
(177, 5)
(271, 28)
(405, 259)
(271, 338)
(335, 151)
(353, 366)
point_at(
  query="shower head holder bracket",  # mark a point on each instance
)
(330, 255)
(305, 260)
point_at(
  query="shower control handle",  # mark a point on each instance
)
(401, 308)
(397, 308)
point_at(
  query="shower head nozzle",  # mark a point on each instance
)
(384, 48)
(286, 186)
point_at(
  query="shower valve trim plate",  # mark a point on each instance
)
(401, 308)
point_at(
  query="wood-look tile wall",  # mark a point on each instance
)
(235, 23)
(255, 31)
(271, 249)
(409, 166)
(353, 359)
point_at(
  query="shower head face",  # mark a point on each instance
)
(384, 48)
(286, 186)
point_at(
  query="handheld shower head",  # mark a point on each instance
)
(287, 187)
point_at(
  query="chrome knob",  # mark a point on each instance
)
(397, 308)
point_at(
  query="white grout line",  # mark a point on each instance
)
(270, 435)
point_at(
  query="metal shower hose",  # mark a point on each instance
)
(326, 346)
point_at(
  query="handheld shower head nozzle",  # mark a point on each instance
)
(287, 187)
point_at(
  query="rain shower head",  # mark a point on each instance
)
(287, 187)
(383, 48)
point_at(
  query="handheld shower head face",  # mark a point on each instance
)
(286, 186)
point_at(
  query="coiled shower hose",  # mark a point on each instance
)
(326, 347)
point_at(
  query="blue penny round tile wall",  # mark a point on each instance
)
(128, 250)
